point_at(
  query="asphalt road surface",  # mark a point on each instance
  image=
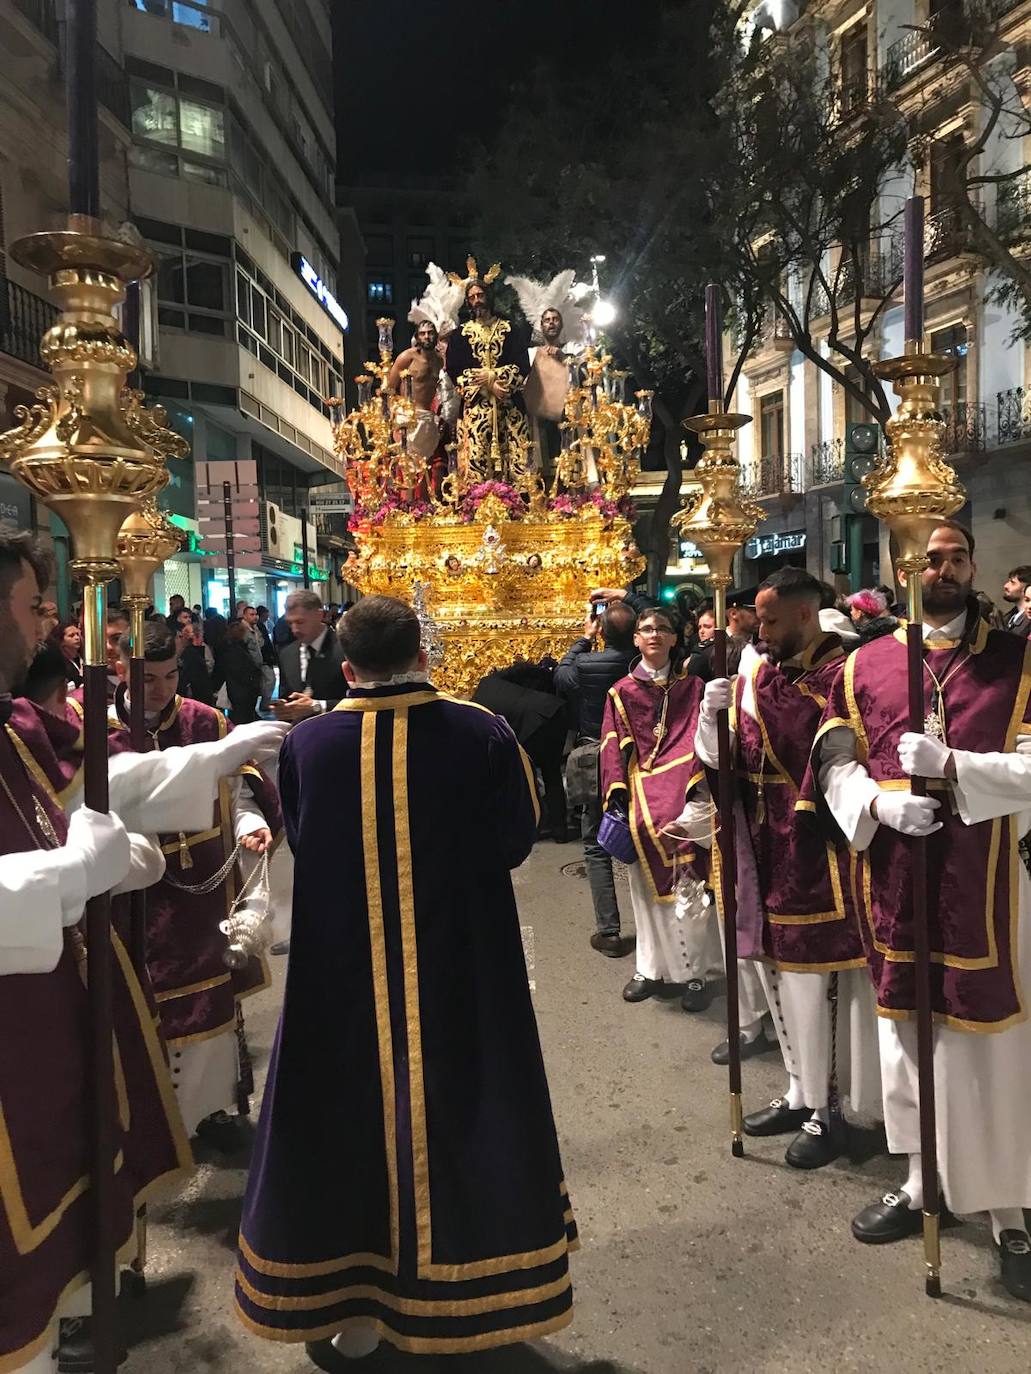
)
(691, 1260)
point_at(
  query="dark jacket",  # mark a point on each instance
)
(235, 667)
(282, 635)
(325, 681)
(526, 708)
(584, 679)
(268, 650)
(875, 627)
(194, 678)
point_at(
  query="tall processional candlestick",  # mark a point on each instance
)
(913, 491)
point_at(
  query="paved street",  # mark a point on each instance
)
(691, 1260)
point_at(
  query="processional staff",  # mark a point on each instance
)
(91, 453)
(719, 521)
(913, 491)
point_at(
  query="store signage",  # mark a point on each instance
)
(15, 504)
(767, 545)
(340, 504)
(319, 289)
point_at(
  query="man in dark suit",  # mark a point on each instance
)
(1013, 590)
(310, 667)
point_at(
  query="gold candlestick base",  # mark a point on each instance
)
(719, 519)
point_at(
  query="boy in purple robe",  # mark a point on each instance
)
(197, 995)
(422, 1200)
(648, 770)
(976, 752)
(794, 913)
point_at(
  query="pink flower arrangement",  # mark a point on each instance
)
(392, 504)
(506, 494)
(569, 504)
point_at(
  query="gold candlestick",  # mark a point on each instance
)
(146, 539)
(719, 520)
(913, 491)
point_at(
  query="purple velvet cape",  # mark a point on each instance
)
(651, 782)
(806, 921)
(406, 1167)
(973, 894)
(45, 1224)
(195, 993)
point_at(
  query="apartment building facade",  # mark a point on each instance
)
(218, 144)
(793, 452)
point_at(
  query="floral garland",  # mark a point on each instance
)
(570, 504)
(415, 509)
(505, 493)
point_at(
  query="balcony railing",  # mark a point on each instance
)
(1013, 207)
(776, 475)
(827, 462)
(945, 236)
(41, 13)
(966, 428)
(1013, 416)
(24, 319)
(906, 56)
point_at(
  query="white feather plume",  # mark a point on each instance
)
(561, 294)
(439, 303)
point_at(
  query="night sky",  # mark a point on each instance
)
(417, 78)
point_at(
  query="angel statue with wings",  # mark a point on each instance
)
(489, 365)
(554, 313)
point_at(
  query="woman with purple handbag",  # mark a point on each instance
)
(648, 770)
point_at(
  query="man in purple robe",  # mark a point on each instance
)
(976, 752)
(197, 995)
(648, 770)
(422, 1200)
(794, 912)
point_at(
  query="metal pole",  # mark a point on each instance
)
(227, 508)
(81, 92)
(304, 544)
(99, 973)
(138, 739)
(728, 872)
(922, 958)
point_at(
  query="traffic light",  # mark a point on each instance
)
(862, 453)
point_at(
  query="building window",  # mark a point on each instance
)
(154, 114)
(279, 337)
(202, 129)
(952, 342)
(380, 291)
(193, 293)
(420, 251)
(855, 412)
(852, 61)
(771, 424)
(379, 250)
(945, 173)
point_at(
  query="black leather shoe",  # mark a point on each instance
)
(613, 944)
(280, 947)
(749, 1048)
(222, 1132)
(776, 1119)
(75, 1346)
(1015, 1259)
(889, 1220)
(696, 995)
(639, 989)
(813, 1147)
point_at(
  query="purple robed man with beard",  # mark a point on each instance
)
(54, 855)
(795, 916)
(422, 1200)
(976, 754)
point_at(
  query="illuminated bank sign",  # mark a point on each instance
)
(319, 289)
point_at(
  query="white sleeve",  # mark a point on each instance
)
(171, 790)
(847, 787)
(990, 785)
(705, 745)
(146, 865)
(41, 892)
(247, 814)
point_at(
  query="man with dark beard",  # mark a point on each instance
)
(423, 364)
(976, 754)
(489, 366)
(795, 917)
(547, 387)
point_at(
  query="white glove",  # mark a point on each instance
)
(719, 693)
(261, 740)
(907, 814)
(100, 842)
(923, 756)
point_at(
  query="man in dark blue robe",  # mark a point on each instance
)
(406, 1182)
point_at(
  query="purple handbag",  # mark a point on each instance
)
(615, 838)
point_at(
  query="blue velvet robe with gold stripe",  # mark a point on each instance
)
(407, 1168)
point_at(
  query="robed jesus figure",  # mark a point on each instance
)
(406, 1181)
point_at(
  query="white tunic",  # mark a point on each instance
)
(981, 1080)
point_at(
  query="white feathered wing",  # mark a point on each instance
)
(439, 303)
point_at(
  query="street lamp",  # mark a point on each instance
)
(604, 311)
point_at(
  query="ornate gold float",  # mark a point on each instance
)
(503, 569)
